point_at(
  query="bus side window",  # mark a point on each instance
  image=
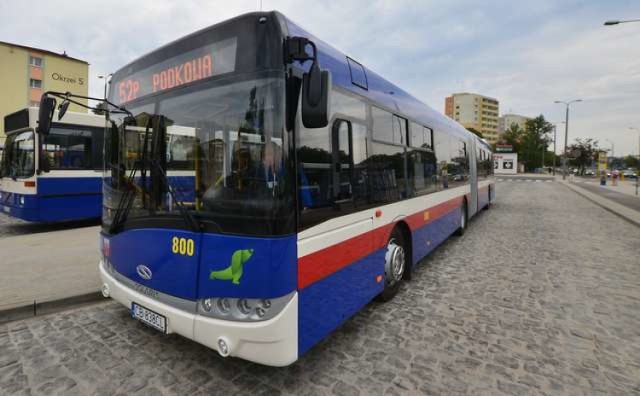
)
(342, 161)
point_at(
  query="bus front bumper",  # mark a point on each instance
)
(272, 342)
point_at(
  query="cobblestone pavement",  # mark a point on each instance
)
(540, 296)
(10, 226)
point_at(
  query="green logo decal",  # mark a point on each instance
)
(234, 271)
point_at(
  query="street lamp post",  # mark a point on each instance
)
(106, 81)
(612, 150)
(555, 149)
(566, 134)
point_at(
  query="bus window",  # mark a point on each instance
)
(459, 167)
(69, 148)
(333, 178)
(343, 161)
(443, 154)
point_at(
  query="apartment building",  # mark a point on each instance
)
(475, 111)
(27, 72)
(506, 120)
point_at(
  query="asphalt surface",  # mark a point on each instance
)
(538, 297)
(10, 226)
(629, 201)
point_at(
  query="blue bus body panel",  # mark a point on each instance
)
(327, 303)
(57, 199)
(435, 232)
(63, 186)
(172, 273)
(269, 268)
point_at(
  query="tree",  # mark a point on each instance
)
(100, 108)
(534, 142)
(631, 162)
(513, 136)
(583, 153)
(475, 131)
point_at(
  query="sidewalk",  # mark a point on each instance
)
(622, 204)
(45, 269)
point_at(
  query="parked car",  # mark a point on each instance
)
(629, 173)
(589, 172)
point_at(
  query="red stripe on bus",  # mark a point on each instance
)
(320, 264)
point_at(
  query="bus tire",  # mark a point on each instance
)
(463, 219)
(395, 265)
(488, 205)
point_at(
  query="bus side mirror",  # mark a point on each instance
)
(62, 110)
(45, 116)
(315, 97)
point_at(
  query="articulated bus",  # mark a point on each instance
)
(300, 200)
(63, 182)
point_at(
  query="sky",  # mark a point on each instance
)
(525, 54)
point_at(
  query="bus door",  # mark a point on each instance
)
(471, 158)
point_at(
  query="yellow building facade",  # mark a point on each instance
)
(475, 111)
(27, 72)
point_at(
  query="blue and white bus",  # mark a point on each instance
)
(63, 182)
(310, 186)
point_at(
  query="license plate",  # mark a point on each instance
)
(149, 317)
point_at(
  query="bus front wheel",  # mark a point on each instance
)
(395, 265)
(463, 219)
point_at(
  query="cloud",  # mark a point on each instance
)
(526, 54)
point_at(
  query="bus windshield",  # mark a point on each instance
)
(19, 155)
(217, 153)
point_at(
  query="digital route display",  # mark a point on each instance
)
(201, 63)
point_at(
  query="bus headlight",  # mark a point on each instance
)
(22, 201)
(243, 309)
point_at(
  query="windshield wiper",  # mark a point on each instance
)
(188, 217)
(158, 141)
(126, 201)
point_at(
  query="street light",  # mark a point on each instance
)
(612, 149)
(106, 80)
(555, 124)
(566, 134)
(616, 22)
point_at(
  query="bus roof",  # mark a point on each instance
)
(28, 117)
(378, 89)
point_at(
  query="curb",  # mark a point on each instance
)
(621, 211)
(48, 307)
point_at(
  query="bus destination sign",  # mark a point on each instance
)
(199, 64)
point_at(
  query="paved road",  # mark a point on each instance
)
(536, 298)
(630, 201)
(47, 266)
(10, 226)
